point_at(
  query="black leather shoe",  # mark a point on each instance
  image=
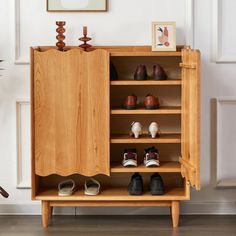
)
(141, 73)
(159, 73)
(136, 185)
(156, 185)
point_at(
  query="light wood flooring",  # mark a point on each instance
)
(118, 226)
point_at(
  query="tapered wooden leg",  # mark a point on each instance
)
(175, 213)
(51, 212)
(45, 213)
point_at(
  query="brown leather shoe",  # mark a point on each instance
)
(130, 102)
(151, 102)
(140, 73)
(159, 73)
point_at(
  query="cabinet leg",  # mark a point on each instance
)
(45, 213)
(51, 212)
(175, 213)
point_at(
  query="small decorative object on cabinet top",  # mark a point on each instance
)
(163, 36)
(60, 37)
(77, 5)
(85, 39)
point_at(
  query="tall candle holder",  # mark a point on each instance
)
(60, 37)
(85, 39)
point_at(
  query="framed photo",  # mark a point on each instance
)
(163, 36)
(76, 5)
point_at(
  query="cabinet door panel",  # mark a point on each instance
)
(71, 112)
(190, 146)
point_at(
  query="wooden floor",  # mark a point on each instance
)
(118, 225)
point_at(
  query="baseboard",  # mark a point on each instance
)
(187, 208)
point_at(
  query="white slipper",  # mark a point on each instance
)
(66, 188)
(92, 187)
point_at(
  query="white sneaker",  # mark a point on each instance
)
(130, 157)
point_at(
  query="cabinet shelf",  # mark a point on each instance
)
(164, 138)
(165, 167)
(167, 110)
(147, 82)
(112, 194)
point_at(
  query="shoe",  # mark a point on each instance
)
(130, 157)
(92, 187)
(113, 72)
(140, 73)
(151, 102)
(136, 185)
(66, 188)
(130, 102)
(153, 129)
(156, 185)
(136, 129)
(151, 157)
(159, 73)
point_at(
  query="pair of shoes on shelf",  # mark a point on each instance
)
(158, 73)
(91, 187)
(156, 186)
(150, 102)
(137, 129)
(151, 157)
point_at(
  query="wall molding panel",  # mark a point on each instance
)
(226, 136)
(218, 53)
(187, 208)
(23, 144)
(19, 60)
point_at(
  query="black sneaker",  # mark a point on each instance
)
(136, 185)
(156, 185)
(151, 157)
(130, 157)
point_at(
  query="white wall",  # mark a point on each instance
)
(126, 23)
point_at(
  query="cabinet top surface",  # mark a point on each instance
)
(121, 50)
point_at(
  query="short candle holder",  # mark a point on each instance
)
(85, 39)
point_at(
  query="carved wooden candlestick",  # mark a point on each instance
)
(85, 39)
(60, 37)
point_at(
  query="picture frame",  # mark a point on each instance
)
(77, 5)
(164, 36)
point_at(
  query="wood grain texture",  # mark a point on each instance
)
(146, 82)
(113, 194)
(190, 148)
(164, 110)
(164, 138)
(165, 167)
(45, 213)
(110, 203)
(71, 109)
(175, 213)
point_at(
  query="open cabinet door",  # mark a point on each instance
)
(190, 122)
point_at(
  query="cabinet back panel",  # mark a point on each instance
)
(126, 66)
(167, 152)
(167, 95)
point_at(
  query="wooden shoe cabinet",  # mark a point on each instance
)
(79, 128)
